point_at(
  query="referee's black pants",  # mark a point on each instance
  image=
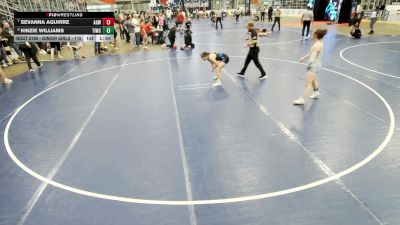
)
(253, 55)
(306, 24)
(277, 20)
(219, 19)
(262, 16)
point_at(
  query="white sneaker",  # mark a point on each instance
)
(8, 81)
(299, 101)
(217, 83)
(31, 70)
(215, 77)
(315, 95)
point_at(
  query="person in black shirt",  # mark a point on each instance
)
(188, 24)
(188, 40)
(172, 37)
(270, 10)
(253, 52)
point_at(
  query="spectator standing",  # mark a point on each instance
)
(262, 10)
(373, 18)
(237, 14)
(218, 15)
(168, 15)
(277, 19)
(131, 30)
(306, 19)
(143, 33)
(270, 11)
(136, 22)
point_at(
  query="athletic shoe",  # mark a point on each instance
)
(31, 70)
(303, 38)
(145, 47)
(215, 77)
(217, 83)
(5, 65)
(263, 77)
(315, 95)
(41, 65)
(240, 75)
(8, 81)
(299, 101)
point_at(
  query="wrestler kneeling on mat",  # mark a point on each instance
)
(218, 62)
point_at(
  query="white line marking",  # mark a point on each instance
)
(39, 191)
(50, 85)
(339, 67)
(391, 50)
(185, 165)
(362, 67)
(325, 168)
(195, 88)
(349, 170)
(195, 85)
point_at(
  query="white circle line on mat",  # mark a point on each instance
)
(370, 157)
(365, 68)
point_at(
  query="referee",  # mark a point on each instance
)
(253, 52)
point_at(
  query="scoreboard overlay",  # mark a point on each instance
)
(63, 26)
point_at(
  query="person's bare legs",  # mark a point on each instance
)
(315, 88)
(3, 77)
(309, 83)
(218, 70)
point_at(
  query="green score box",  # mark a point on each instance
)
(108, 30)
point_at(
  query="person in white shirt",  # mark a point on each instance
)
(373, 18)
(306, 19)
(136, 22)
(218, 16)
(277, 18)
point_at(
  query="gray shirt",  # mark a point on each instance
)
(308, 15)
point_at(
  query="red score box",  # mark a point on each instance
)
(108, 21)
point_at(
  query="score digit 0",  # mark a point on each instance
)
(108, 21)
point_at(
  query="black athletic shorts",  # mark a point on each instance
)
(225, 59)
